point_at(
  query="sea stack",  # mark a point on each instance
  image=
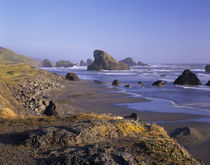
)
(187, 78)
(89, 61)
(64, 63)
(83, 63)
(104, 61)
(207, 68)
(47, 63)
(129, 61)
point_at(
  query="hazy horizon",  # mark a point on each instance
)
(152, 31)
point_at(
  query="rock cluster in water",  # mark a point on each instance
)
(104, 61)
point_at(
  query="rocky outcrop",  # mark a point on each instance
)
(32, 92)
(187, 78)
(47, 63)
(139, 63)
(207, 68)
(89, 61)
(140, 82)
(159, 83)
(129, 61)
(72, 76)
(52, 109)
(83, 63)
(64, 63)
(187, 135)
(127, 85)
(116, 83)
(104, 61)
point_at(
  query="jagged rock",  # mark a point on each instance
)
(133, 116)
(89, 61)
(104, 61)
(159, 83)
(129, 61)
(140, 82)
(83, 63)
(187, 135)
(207, 68)
(52, 109)
(208, 83)
(127, 86)
(47, 63)
(64, 63)
(187, 78)
(116, 83)
(139, 63)
(72, 76)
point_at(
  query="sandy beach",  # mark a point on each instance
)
(87, 96)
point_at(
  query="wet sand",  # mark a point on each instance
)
(87, 96)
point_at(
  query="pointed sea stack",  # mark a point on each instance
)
(104, 61)
(187, 78)
(129, 61)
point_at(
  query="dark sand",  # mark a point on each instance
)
(87, 96)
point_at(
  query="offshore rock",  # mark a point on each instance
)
(129, 61)
(47, 63)
(63, 63)
(104, 61)
(207, 68)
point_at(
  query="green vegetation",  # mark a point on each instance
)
(7, 56)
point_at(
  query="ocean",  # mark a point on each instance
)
(170, 98)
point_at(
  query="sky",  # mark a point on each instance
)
(152, 31)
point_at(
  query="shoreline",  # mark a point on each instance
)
(87, 96)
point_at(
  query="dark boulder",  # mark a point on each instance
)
(129, 61)
(133, 116)
(159, 83)
(127, 86)
(104, 61)
(64, 63)
(52, 109)
(47, 63)
(140, 82)
(116, 83)
(187, 78)
(207, 68)
(89, 61)
(72, 76)
(208, 83)
(187, 135)
(83, 63)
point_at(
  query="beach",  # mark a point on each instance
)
(87, 96)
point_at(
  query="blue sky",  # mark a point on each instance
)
(153, 31)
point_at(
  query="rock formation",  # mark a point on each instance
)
(104, 61)
(133, 116)
(208, 83)
(116, 83)
(129, 61)
(89, 61)
(72, 76)
(47, 63)
(127, 86)
(187, 78)
(207, 68)
(63, 63)
(159, 83)
(83, 63)
(139, 63)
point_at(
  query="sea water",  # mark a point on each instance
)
(170, 98)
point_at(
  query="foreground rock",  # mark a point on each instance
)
(207, 68)
(133, 116)
(83, 63)
(187, 135)
(104, 61)
(187, 78)
(101, 140)
(64, 63)
(47, 63)
(53, 109)
(129, 61)
(116, 83)
(72, 76)
(159, 83)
